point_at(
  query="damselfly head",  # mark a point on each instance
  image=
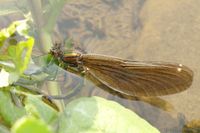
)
(56, 50)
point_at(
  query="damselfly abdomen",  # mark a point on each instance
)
(128, 77)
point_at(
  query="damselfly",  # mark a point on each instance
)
(128, 77)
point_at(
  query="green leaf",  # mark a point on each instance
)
(15, 49)
(97, 115)
(22, 55)
(30, 125)
(8, 111)
(36, 107)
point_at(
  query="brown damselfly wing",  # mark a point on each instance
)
(137, 78)
(134, 78)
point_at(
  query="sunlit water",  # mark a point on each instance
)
(140, 30)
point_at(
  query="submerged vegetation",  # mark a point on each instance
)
(25, 108)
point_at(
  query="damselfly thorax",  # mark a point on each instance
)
(135, 78)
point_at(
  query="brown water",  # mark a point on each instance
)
(142, 30)
(146, 31)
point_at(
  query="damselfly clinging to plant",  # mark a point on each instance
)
(128, 77)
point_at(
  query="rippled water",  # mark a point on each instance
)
(140, 30)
